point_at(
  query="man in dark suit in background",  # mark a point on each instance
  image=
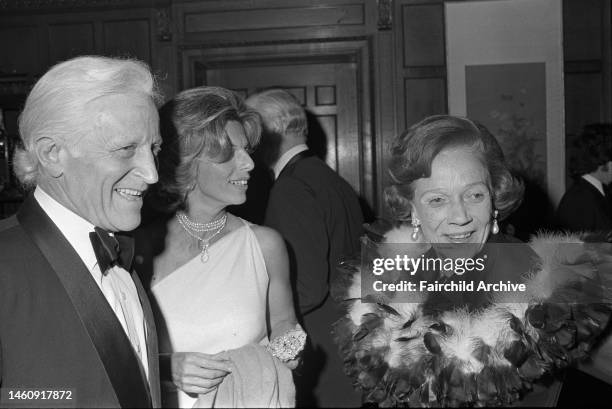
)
(586, 205)
(318, 214)
(76, 327)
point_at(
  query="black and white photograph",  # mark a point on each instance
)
(305, 203)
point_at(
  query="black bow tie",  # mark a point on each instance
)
(112, 250)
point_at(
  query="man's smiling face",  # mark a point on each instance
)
(107, 171)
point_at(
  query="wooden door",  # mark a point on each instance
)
(331, 82)
(327, 91)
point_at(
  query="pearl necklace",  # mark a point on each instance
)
(201, 227)
(193, 228)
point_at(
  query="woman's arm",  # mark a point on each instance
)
(280, 298)
(194, 372)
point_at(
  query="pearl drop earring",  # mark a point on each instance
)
(416, 228)
(495, 228)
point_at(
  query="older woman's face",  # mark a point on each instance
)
(453, 205)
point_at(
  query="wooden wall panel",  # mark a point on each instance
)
(273, 18)
(70, 40)
(352, 138)
(582, 29)
(387, 92)
(329, 124)
(422, 76)
(587, 46)
(56, 33)
(423, 34)
(423, 97)
(300, 93)
(14, 59)
(582, 101)
(325, 95)
(130, 38)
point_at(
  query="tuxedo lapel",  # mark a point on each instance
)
(601, 199)
(105, 331)
(152, 351)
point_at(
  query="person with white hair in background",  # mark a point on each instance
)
(319, 216)
(76, 327)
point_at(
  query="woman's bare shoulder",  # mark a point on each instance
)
(267, 237)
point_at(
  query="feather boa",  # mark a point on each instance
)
(398, 355)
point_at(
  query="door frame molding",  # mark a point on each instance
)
(195, 59)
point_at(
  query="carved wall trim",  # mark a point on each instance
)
(164, 24)
(277, 18)
(385, 15)
(220, 44)
(15, 84)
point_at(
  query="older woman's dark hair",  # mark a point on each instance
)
(591, 149)
(193, 124)
(413, 152)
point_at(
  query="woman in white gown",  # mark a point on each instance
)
(220, 285)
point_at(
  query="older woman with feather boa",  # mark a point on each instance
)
(407, 344)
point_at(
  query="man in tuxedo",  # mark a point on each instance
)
(586, 205)
(74, 317)
(318, 214)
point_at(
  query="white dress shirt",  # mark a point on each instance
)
(595, 182)
(116, 286)
(286, 157)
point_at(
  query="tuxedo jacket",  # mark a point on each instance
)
(318, 214)
(584, 208)
(57, 331)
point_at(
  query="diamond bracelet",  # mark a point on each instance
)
(287, 347)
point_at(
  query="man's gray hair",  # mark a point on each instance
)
(57, 105)
(281, 112)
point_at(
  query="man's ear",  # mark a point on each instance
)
(48, 153)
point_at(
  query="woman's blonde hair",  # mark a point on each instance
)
(192, 124)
